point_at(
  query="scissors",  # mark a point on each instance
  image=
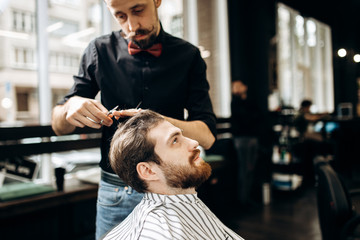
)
(115, 109)
(108, 113)
(138, 105)
(112, 110)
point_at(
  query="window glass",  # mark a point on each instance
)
(61, 27)
(171, 17)
(208, 46)
(303, 69)
(72, 25)
(213, 42)
(172, 14)
(18, 76)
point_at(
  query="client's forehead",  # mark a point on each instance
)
(163, 132)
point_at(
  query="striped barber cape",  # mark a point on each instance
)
(178, 217)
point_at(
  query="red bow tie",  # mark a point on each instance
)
(153, 50)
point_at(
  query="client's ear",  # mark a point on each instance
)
(146, 171)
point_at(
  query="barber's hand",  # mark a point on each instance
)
(126, 113)
(82, 112)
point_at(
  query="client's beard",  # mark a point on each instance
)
(179, 176)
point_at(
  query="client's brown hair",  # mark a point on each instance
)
(130, 146)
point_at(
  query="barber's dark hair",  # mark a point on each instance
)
(130, 146)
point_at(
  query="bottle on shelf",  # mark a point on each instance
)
(281, 151)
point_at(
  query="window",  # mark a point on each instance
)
(72, 24)
(204, 23)
(23, 58)
(64, 62)
(304, 67)
(171, 17)
(22, 101)
(177, 26)
(214, 46)
(23, 21)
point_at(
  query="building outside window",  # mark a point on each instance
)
(71, 25)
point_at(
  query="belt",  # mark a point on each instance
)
(112, 179)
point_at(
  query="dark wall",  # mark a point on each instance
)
(252, 26)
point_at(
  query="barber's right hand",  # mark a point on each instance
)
(82, 112)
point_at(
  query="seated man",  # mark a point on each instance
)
(311, 143)
(152, 156)
(305, 118)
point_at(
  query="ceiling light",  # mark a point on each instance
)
(342, 52)
(357, 58)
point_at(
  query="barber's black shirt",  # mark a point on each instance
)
(167, 84)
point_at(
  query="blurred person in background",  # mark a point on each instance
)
(245, 120)
(305, 119)
(311, 143)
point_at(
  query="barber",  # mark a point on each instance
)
(143, 64)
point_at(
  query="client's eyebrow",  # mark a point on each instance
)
(172, 135)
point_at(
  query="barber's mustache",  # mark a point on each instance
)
(143, 31)
(140, 31)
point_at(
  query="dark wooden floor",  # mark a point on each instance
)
(289, 216)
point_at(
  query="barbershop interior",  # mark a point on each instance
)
(284, 81)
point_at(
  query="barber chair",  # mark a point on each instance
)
(337, 214)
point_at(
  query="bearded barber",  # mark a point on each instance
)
(140, 64)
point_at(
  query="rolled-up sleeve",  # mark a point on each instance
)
(199, 105)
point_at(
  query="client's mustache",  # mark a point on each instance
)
(194, 155)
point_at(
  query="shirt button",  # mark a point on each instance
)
(146, 88)
(147, 63)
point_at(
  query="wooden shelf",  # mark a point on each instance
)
(74, 191)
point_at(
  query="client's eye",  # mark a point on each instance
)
(175, 141)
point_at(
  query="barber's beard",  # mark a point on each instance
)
(151, 35)
(147, 42)
(192, 175)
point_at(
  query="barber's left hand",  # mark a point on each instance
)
(125, 113)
